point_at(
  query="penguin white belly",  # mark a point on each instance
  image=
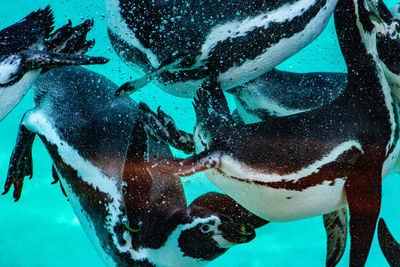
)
(10, 96)
(282, 50)
(282, 205)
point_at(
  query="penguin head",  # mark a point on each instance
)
(28, 47)
(207, 238)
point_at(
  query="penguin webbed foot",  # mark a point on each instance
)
(389, 246)
(66, 47)
(71, 40)
(20, 162)
(336, 225)
(162, 127)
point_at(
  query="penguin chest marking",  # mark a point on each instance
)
(312, 190)
(277, 52)
(282, 205)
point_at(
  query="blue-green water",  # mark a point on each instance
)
(41, 228)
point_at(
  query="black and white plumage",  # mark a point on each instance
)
(162, 127)
(282, 93)
(28, 47)
(99, 150)
(176, 42)
(315, 162)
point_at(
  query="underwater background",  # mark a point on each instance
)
(41, 228)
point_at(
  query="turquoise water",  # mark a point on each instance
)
(41, 228)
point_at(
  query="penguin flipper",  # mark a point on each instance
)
(20, 162)
(163, 128)
(336, 225)
(389, 246)
(225, 205)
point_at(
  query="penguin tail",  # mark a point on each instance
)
(163, 128)
(211, 106)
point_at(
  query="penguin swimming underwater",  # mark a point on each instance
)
(132, 217)
(175, 42)
(28, 48)
(310, 163)
(283, 93)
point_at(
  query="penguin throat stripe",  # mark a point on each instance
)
(171, 248)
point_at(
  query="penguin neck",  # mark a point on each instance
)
(357, 39)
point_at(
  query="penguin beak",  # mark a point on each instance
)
(65, 47)
(237, 233)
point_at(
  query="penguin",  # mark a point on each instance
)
(28, 48)
(389, 246)
(132, 216)
(175, 42)
(311, 163)
(282, 93)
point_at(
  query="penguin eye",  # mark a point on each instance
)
(205, 228)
